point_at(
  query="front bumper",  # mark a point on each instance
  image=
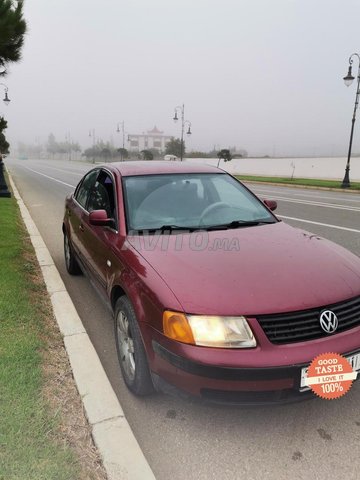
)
(236, 386)
(243, 377)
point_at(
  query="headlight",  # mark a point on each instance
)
(208, 331)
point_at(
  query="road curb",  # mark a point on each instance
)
(121, 454)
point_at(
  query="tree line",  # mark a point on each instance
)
(108, 153)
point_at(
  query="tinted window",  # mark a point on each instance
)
(102, 196)
(83, 192)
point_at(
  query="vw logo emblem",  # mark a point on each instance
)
(328, 321)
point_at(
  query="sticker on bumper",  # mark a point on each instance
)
(330, 375)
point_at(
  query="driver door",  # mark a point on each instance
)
(100, 240)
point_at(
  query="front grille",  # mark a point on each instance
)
(304, 325)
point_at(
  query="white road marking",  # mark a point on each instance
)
(318, 204)
(342, 199)
(72, 172)
(51, 178)
(321, 224)
(355, 198)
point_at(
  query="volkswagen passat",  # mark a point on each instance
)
(212, 294)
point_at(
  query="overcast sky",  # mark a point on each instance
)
(264, 75)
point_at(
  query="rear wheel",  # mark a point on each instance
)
(71, 263)
(130, 349)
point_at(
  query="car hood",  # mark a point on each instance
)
(254, 270)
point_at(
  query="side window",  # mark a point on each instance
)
(102, 196)
(82, 194)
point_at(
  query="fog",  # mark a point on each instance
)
(257, 74)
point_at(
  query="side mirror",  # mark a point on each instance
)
(271, 204)
(99, 218)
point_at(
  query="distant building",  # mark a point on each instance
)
(154, 138)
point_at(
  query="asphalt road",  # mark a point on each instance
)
(318, 439)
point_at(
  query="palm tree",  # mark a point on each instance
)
(225, 154)
(3, 124)
(12, 31)
(4, 145)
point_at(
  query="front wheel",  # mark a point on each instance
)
(71, 263)
(130, 349)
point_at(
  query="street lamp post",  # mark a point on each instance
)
(184, 122)
(92, 134)
(68, 141)
(4, 191)
(123, 137)
(348, 79)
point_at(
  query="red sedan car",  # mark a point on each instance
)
(212, 295)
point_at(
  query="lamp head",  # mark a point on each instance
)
(349, 78)
(6, 98)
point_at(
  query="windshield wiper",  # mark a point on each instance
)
(189, 228)
(238, 224)
(168, 228)
(164, 228)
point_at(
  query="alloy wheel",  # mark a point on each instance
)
(67, 251)
(126, 345)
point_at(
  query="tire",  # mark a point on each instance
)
(71, 263)
(130, 349)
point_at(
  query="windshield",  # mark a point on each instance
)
(190, 200)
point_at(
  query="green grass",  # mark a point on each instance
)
(300, 181)
(28, 447)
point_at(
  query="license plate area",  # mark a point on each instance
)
(354, 361)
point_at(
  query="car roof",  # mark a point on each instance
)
(152, 167)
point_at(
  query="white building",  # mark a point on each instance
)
(151, 139)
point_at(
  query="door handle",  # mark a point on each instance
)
(81, 227)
